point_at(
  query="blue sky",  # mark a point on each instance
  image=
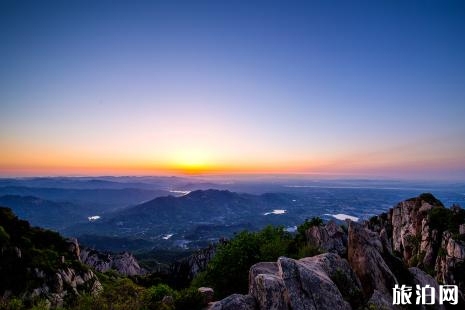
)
(359, 87)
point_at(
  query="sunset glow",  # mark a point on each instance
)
(220, 87)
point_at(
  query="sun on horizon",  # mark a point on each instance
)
(233, 87)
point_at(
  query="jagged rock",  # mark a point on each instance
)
(385, 240)
(64, 282)
(330, 238)
(380, 301)
(267, 286)
(18, 253)
(124, 263)
(429, 238)
(168, 300)
(270, 292)
(452, 252)
(462, 229)
(320, 282)
(327, 281)
(186, 268)
(207, 294)
(422, 279)
(308, 286)
(340, 272)
(45, 278)
(410, 229)
(235, 302)
(73, 247)
(365, 257)
(261, 268)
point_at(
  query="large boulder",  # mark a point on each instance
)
(234, 302)
(321, 282)
(309, 287)
(365, 255)
(65, 282)
(207, 294)
(124, 263)
(422, 279)
(329, 238)
(340, 272)
(266, 285)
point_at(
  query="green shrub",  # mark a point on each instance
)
(308, 251)
(11, 304)
(301, 237)
(228, 271)
(4, 236)
(157, 292)
(444, 219)
(188, 299)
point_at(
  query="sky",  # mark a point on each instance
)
(355, 88)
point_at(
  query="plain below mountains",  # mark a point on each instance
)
(195, 219)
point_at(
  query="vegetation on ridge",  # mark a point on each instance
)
(44, 249)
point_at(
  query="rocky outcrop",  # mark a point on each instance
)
(124, 263)
(39, 263)
(422, 279)
(183, 271)
(207, 294)
(413, 233)
(365, 255)
(329, 238)
(64, 283)
(235, 302)
(267, 286)
(324, 281)
(451, 254)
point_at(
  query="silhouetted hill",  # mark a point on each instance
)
(39, 263)
(94, 200)
(44, 213)
(198, 217)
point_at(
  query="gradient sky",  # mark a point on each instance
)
(333, 87)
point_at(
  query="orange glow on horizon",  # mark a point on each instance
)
(192, 161)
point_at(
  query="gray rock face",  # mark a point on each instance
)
(73, 247)
(341, 273)
(330, 238)
(194, 263)
(309, 286)
(367, 279)
(452, 252)
(235, 302)
(410, 229)
(365, 256)
(308, 283)
(266, 285)
(123, 263)
(207, 294)
(270, 292)
(422, 278)
(462, 229)
(64, 282)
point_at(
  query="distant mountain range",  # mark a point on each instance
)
(145, 213)
(96, 199)
(44, 213)
(195, 219)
